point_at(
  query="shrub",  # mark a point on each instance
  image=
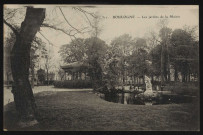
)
(73, 84)
(189, 88)
(50, 82)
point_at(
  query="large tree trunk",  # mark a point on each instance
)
(96, 74)
(175, 74)
(162, 65)
(183, 77)
(32, 73)
(32, 68)
(168, 65)
(20, 63)
(47, 76)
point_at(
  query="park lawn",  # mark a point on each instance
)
(85, 111)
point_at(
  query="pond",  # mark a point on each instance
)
(136, 99)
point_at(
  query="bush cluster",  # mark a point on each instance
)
(50, 82)
(181, 88)
(73, 84)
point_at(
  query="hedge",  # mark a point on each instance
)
(73, 84)
(50, 82)
(189, 88)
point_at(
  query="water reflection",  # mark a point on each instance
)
(123, 98)
(132, 98)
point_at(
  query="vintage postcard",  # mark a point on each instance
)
(101, 68)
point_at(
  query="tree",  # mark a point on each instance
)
(120, 48)
(154, 56)
(47, 65)
(138, 65)
(164, 41)
(37, 47)
(111, 72)
(61, 74)
(20, 62)
(182, 49)
(74, 51)
(184, 53)
(96, 50)
(41, 75)
(140, 43)
(51, 76)
(165, 34)
(91, 50)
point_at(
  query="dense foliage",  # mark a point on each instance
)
(112, 65)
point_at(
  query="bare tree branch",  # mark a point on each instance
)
(80, 9)
(46, 39)
(12, 13)
(69, 33)
(55, 28)
(11, 27)
(65, 32)
(81, 31)
(85, 13)
(155, 40)
(88, 19)
(36, 41)
(68, 21)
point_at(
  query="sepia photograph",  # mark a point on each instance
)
(101, 67)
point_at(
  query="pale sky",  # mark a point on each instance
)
(136, 27)
(111, 27)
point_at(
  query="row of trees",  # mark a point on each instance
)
(178, 49)
(125, 56)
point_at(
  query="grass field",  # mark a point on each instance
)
(84, 111)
